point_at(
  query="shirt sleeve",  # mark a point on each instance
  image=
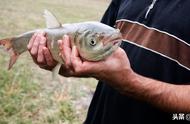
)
(110, 15)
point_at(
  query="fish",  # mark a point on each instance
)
(94, 40)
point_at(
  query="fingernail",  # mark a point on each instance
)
(74, 49)
(65, 36)
(60, 54)
(43, 32)
(44, 48)
(39, 32)
(28, 47)
(59, 42)
(36, 33)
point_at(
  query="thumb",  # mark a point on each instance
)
(75, 58)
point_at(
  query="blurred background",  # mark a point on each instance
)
(27, 93)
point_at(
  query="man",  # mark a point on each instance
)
(147, 79)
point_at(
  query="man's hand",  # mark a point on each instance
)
(39, 51)
(113, 69)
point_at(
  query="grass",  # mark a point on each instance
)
(27, 93)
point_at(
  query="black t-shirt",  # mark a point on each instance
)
(157, 41)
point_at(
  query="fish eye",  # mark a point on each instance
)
(92, 42)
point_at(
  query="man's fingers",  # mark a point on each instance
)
(75, 55)
(42, 44)
(67, 42)
(29, 46)
(48, 57)
(66, 51)
(60, 43)
(35, 46)
(75, 59)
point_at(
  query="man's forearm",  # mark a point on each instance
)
(116, 71)
(168, 97)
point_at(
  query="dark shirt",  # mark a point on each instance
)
(157, 42)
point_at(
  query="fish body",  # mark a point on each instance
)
(94, 40)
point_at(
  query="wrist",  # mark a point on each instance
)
(129, 82)
(122, 80)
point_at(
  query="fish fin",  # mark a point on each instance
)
(55, 71)
(13, 59)
(51, 20)
(7, 43)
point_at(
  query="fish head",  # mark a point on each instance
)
(96, 41)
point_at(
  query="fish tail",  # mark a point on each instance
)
(7, 43)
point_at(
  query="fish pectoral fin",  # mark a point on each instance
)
(55, 71)
(51, 20)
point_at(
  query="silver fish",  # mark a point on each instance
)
(94, 40)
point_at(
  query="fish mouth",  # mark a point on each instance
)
(117, 42)
(111, 47)
(113, 40)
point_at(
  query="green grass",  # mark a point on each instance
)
(27, 93)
